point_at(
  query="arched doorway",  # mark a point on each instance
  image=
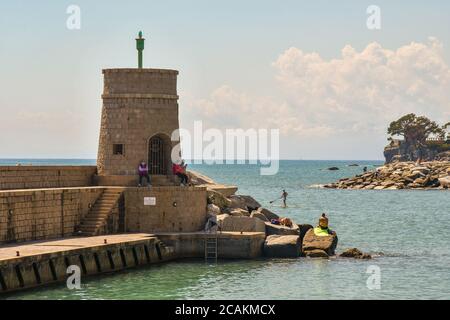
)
(157, 156)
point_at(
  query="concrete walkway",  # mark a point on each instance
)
(34, 248)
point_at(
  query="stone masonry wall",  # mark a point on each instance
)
(43, 214)
(38, 177)
(137, 105)
(177, 209)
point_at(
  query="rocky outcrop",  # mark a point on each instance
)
(355, 253)
(401, 175)
(312, 242)
(287, 246)
(400, 151)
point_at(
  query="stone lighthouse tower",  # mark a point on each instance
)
(139, 114)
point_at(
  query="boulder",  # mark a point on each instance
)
(275, 229)
(333, 168)
(197, 178)
(355, 253)
(282, 246)
(269, 214)
(259, 215)
(325, 243)
(225, 190)
(218, 199)
(445, 182)
(244, 202)
(240, 224)
(303, 228)
(316, 253)
(212, 209)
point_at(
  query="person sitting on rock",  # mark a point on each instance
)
(322, 229)
(286, 222)
(143, 173)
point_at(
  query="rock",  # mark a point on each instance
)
(282, 246)
(353, 165)
(443, 156)
(238, 212)
(238, 224)
(211, 224)
(244, 202)
(333, 168)
(316, 253)
(259, 215)
(401, 175)
(445, 182)
(303, 228)
(275, 229)
(355, 253)
(218, 199)
(325, 243)
(212, 209)
(269, 214)
(197, 178)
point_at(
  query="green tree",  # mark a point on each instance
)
(415, 129)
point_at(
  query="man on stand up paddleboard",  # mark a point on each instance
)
(283, 197)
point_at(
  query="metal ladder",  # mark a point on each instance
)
(211, 247)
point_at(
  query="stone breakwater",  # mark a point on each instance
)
(400, 175)
(229, 212)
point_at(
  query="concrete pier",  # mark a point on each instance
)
(231, 245)
(38, 263)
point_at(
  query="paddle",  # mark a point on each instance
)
(274, 200)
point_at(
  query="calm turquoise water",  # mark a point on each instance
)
(409, 228)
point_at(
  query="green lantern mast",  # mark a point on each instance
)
(140, 47)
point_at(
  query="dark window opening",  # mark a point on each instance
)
(118, 149)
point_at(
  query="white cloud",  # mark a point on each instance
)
(366, 90)
(358, 93)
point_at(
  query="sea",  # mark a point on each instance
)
(406, 231)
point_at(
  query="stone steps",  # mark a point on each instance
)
(99, 213)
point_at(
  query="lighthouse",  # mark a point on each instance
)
(139, 115)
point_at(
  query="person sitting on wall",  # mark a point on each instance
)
(178, 170)
(322, 229)
(184, 171)
(143, 173)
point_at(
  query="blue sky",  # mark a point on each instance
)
(51, 77)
